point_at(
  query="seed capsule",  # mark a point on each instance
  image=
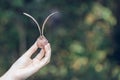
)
(41, 42)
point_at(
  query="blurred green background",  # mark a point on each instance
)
(85, 37)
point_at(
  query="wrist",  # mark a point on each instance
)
(8, 76)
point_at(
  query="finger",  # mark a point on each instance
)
(41, 42)
(47, 57)
(38, 64)
(40, 55)
(48, 51)
(31, 50)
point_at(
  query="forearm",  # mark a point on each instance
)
(24, 67)
(8, 76)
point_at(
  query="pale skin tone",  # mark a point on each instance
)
(24, 67)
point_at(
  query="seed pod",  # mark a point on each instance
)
(41, 41)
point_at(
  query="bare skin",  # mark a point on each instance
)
(24, 67)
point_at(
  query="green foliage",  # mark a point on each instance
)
(79, 35)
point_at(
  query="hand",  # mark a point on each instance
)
(24, 67)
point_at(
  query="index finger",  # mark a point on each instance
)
(31, 50)
(47, 57)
